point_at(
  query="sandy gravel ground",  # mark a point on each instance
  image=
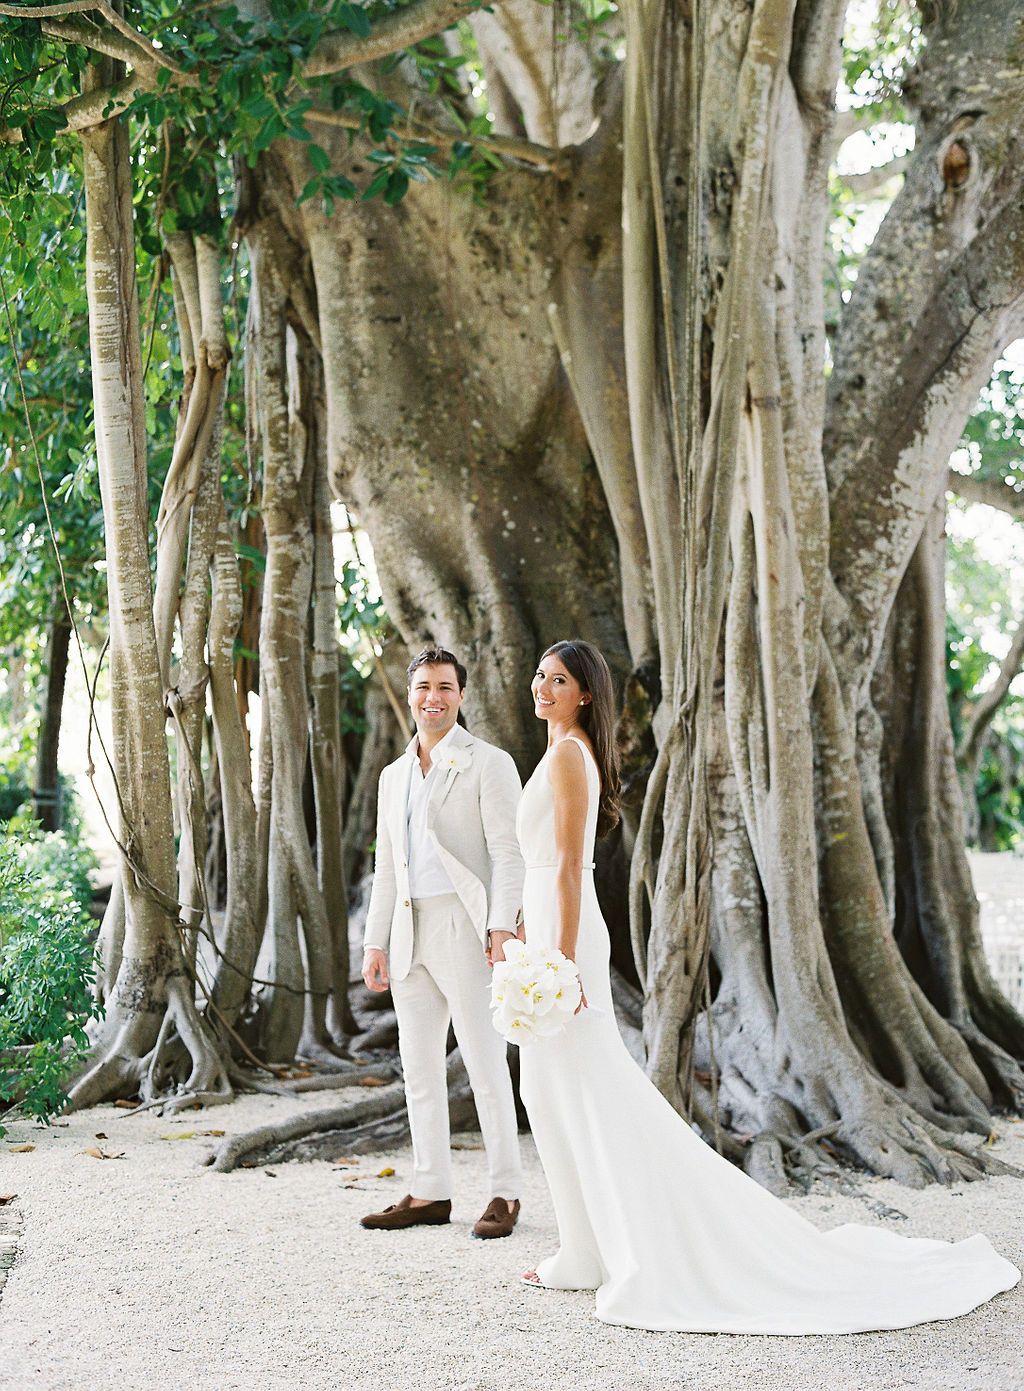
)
(151, 1273)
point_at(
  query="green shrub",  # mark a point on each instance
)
(47, 967)
(17, 776)
(14, 791)
(1000, 784)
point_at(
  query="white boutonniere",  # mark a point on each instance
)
(453, 761)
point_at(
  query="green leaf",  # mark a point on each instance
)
(319, 158)
(355, 19)
(377, 184)
(250, 553)
(398, 185)
(340, 186)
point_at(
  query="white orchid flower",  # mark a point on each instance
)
(534, 992)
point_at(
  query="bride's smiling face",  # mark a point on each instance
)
(557, 695)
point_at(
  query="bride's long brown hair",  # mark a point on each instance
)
(597, 719)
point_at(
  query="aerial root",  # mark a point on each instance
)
(381, 1102)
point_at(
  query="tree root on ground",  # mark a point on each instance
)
(182, 1067)
(780, 1160)
(876, 1128)
(811, 1167)
(328, 1055)
(183, 1101)
(382, 1033)
(378, 1104)
(354, 1074)
(367, 1122)
(998, 1065)
(384, 1133)
(894, 1141)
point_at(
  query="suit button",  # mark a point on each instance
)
(407, 904)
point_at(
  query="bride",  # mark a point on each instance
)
(669, 1234)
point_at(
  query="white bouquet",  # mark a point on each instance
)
(535, 991)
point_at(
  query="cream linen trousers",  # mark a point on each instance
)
(449, 981)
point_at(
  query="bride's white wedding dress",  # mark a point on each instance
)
(670, 1235)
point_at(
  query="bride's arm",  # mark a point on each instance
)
(568, 779)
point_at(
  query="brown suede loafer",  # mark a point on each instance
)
(403, 1214)
(498, 1220)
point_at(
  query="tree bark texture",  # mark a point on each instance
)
(151, 1022)
(46, 800)
(301, 970)
(616, 372)
(893, 1070)
(595, 402)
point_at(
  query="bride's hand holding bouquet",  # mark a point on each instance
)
(535, 991)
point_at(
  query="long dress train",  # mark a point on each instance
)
(670, 1235)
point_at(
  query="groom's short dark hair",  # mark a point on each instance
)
(437, 657)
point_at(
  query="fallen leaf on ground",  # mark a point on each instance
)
(94, 1152)
(372, 1082)
(386, 1173)
(100, 1135)
(127, 1105)
(180, 1135)
(343, 1162)
(6, 1198)
(211, 1132)
(270, 1173)
(20, 1149)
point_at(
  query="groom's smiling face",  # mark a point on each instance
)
(435, 698)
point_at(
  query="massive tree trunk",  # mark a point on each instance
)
(452, 431)
(594, 401)
(745, 512)
(852, 1041)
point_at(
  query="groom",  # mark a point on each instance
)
(447, 886)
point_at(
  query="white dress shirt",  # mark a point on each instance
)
(427, 875)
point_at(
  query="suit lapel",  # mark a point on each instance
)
(445, 777)
(400, 811)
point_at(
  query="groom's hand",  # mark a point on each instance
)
(375, 970)
(496, 949)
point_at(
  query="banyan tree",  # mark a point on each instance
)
(584, 382)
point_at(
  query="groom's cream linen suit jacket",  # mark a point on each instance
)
(471, 817)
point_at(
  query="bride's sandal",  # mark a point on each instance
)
(530, 1277)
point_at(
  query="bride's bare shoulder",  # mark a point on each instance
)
(566, 761)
